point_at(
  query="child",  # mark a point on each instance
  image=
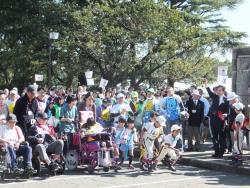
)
(150, 132)
(127, 143)
(167, 147)
(238, 134)
(119, 131)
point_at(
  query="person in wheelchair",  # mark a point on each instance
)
(90, 127)
(14, 138)
(42, 140)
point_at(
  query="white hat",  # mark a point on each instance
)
(175, 127)
(161, 120)
(13, 92)
(196, 92)
(238, 106)
(231, 96)
(120, 95)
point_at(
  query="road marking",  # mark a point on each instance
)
(150, 183)
(66, 177)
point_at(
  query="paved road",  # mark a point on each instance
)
(185, 176)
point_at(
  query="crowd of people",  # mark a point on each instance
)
(154, 119)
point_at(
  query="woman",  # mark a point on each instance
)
(68, 116)
(55, 111)
(87, 105)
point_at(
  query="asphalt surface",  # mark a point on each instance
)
(185, 176)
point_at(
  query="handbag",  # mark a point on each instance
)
(138, 120)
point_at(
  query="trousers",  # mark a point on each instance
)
(238, 143)
(193, 131)
(24, 151)
(165, 150)
(55, 148)
(148, 145)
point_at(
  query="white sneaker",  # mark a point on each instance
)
(201, 142)
(211, 146)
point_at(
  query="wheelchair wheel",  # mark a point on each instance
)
(71, 160)
(62, 165)
(91, 170)
(36, 165)
(3, 176)
(105, 169)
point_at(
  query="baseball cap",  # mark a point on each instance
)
(120, 95)
(231, 96)
(161, 120)
(238, 106)
(11, 118)
(175, 127)
(134, 94)
(32, 89)
(128, 93)
(151, 90)
(107, 101)
(13, 92)
(42, 115)
(196, 92)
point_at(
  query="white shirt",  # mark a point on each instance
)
(151, 131)
(10, 134)
(221, 100)
(169, 140)
(126, 135)
(118, 108)
(240, 118)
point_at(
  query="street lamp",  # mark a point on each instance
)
(52, 36)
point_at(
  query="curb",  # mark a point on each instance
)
(215, 165)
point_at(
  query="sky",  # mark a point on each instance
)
(238, 20)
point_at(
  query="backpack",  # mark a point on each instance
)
(172, 109)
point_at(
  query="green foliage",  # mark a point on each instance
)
(115, 39)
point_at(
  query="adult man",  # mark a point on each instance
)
(26, 108)
(42, 140)
(11, 101)
(220, 106)
(4, 111)
(196, 114)
(120, 109)
(172, 104)
(150, 105)
(13, 136)
(204, 123)
(41, 100)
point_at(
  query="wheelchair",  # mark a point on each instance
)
(37, 164)
(5, 162)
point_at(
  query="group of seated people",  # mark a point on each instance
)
(38, 138)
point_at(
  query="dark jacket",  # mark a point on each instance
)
(215, 108)
(21, 109)
(32, 137)
(195, 119)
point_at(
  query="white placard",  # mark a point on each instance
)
(104, 82)
(38, 77)
(90, 82)
(222, 80)
(88, 74)
(222, 70)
